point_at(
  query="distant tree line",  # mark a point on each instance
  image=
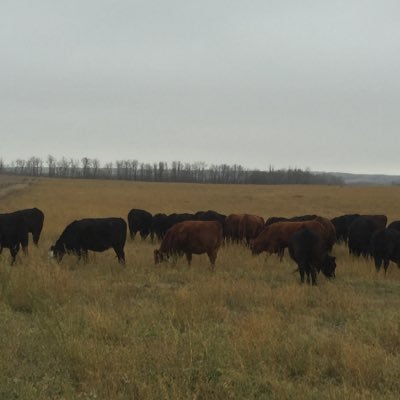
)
(198, 172)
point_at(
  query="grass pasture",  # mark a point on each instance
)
(247, 331)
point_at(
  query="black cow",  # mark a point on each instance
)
(96, 234)
(13, 234)
(159, 225)
(33, 218)
(342, 225)
(140, 221)
(210, 215)
(360, 234)
(394, 225)
(162, 222)
(307, 249)
(385, 247)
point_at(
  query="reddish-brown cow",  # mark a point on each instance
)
(231, 227)
(275, 238)
(330, 231)
(250, 226)
(191, 237)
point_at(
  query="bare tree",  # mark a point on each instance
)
(51, 165)
(95, 167)
(85, 167)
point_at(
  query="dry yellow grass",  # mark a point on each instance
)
(247, 331)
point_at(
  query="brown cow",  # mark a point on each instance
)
(191, 237)
(231, 227)
(275, 238)
(250, 226)
(330, 234)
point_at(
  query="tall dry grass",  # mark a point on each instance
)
(248, 330)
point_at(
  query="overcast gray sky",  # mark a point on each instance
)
(289, 83)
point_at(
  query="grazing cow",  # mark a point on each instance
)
(140, 221)
(191, 237)
(342, 225)
(360, 234)
(96, 234)
(231, 227)
(250, 226)
(307, 249)
(298, 218)
(385, 247)
(210, 215)
(33, 218)
(13, 234)
(275, 238)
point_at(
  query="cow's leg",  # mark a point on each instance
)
(189, 258)
(212, 255)
(313, 276)
(35, 237)
(301, 270)
(120, 254)
(281, 253)
(14, 251)
(386, 264)
(85, 256)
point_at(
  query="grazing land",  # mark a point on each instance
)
(249, 330)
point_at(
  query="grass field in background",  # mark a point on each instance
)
(249, 330)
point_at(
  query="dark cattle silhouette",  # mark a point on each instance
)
(307, 249)
(385, 247)
(140, 221)
(96, 234)
(162, 222)
(34, 219)
(191, 237)
(210, 215)
(342, 225)
(13, 234)
(394, 225)
(361, 231)
(159, 225)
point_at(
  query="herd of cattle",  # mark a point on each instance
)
(309, 238)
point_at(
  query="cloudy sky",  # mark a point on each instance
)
(264, 82)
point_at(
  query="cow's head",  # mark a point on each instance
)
(329, 266)
(159, 257)
(57, 252)
(255, 248)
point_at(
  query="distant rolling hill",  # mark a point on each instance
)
(366, 179)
